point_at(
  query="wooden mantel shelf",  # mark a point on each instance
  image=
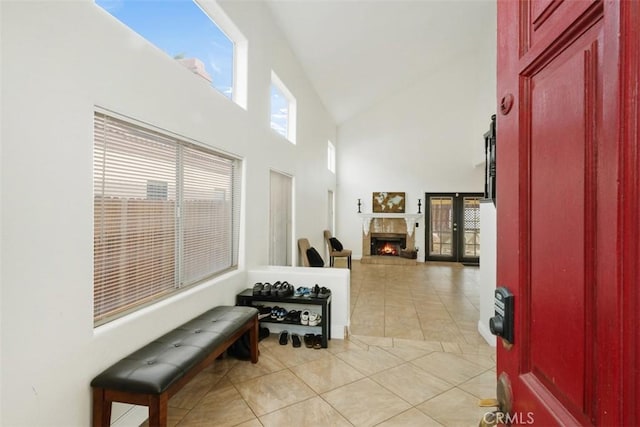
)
(410, 219)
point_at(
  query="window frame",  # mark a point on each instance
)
(214, 12)
(331, 156)
(292, 108)
(185, 147)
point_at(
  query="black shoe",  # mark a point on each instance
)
(284, 338)
(308, 340)
(317, 342)
(314, 291)
(263, 333)
(295, 340)
(324, 292)
(257, 289)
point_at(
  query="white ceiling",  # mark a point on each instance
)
(357, 52)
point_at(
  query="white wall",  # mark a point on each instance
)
(488, 245)
(1, 210)
(59, 60)
(427, 137)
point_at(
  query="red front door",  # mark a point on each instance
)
(567, 206)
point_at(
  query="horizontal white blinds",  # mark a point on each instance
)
(163, 215)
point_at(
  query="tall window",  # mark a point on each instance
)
(331, 157)
(283, 109)
(186, 31)
(166, 215)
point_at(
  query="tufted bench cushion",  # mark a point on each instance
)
(159, 367)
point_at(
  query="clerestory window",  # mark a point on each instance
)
(283, 109)
(200, 37)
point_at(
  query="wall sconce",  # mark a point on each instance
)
(419, 205)
(359, 205)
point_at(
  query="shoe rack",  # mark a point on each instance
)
(246, 297)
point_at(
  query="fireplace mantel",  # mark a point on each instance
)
(410, 219)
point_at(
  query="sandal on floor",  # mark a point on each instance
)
(308, 340)
(295, 340)
(284, 338)
(317, 342)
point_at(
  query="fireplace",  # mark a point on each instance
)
(387, 244)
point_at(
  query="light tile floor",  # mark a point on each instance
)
(414, 359)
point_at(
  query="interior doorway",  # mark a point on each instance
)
(280, 219)
(453, 227)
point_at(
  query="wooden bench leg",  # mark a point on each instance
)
(158, 410)
(101, 409)
(254, 333)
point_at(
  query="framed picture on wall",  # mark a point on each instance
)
(388, 202)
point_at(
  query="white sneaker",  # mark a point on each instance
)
(304, 317)
(314, 319)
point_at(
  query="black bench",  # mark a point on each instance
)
(151, 375)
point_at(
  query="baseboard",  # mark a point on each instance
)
(484, 331)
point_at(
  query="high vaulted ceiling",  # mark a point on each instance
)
(357, 52)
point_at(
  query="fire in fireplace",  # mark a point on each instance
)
(388, 244)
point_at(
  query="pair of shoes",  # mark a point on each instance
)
(281, 289)
(266, 289)
(304, 317)
(278, 313)
(324, 292)
(293, 316)
(284, 338)
(314, 319)
(302, 291)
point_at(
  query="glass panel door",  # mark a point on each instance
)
(453, 232)
(441, 241)
(471, 228)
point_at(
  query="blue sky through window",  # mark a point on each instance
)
(182, 30)
(279, 111)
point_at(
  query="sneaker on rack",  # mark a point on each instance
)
(263, 311)
(274, 312)
(282, 313)
(304, 317)
(314, 319)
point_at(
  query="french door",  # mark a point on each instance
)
(453, 227)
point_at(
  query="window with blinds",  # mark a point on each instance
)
(166, 215)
